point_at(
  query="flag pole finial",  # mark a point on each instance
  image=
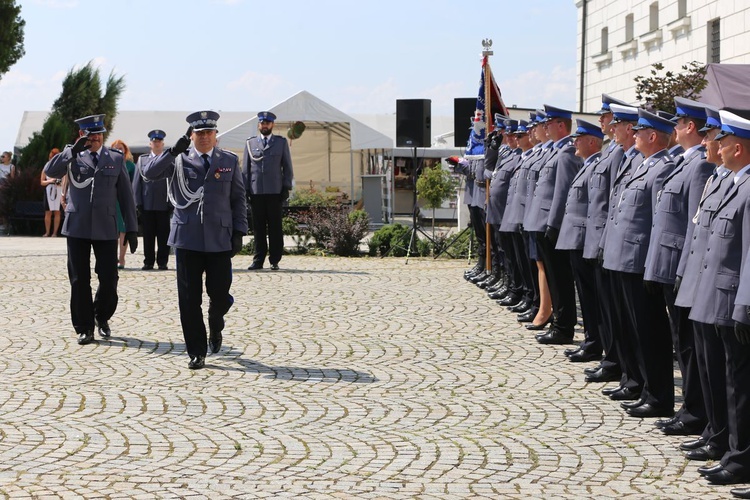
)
(487, 47)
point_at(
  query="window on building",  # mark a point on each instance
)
(653, 17)
(605, 40)
(714, 41)
(629, 28)
(681, 9)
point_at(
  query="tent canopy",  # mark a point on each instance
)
(333, 149)
(727, 86)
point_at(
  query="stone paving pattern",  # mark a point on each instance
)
(338, 378)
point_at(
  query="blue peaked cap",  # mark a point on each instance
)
(732, 124)
(93, 124)
(687, 108)
(587, 128)
(650, 120)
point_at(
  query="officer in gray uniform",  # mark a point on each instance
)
(268, 180)
(644, 314)
(97, 180)
(723, 262)
(676, 204)
(154, 207)
(206, 188)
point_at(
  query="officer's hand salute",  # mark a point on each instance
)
(182, 144)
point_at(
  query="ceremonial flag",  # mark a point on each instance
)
(475, 145)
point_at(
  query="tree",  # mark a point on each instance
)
(659, 92)
(434, 186)
(11, 35)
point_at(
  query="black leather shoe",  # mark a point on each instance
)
(163, 268)
(197, 362)
(680, 429)
(491, 281)
(663, 422)
(571, 350)
(627, 405)
(602, 375)
(85, 337)
(214, 341)
(726, 477)
(704, 453)
(497, 286)
(647, 410)
(147, 267)
(479, 277)
(583, 357)
(693, 444)
(103, 328)
(592, 369)
(556, 337)
(528, 316)
(740, 492)
(536, 328)
(274, 267)
(705, 470)
(626, 394)
(611, 390)
(500, 293)
(255, 266)
(509, 300)
(521, 307)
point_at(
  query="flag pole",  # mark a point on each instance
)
(489, 123)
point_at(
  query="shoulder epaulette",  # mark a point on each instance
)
(231, 153)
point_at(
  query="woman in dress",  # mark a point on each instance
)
(53, 198)
(130, 165)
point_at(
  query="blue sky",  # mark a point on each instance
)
(237, 55)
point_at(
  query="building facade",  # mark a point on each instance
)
(621, 39)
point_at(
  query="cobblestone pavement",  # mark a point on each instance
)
(338, 378)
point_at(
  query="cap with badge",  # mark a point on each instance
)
(540, 116)
(607, 101)
(623, 113)
(510, 125)
(732, 124)
(553, 112)
(713, 120)
(93, 124)
(587, 128)
(656, 122)
(686, 108)
(500, 120)
(532, 120)
(203, 120)
(523, 127)
(157, 135)
(266, 116)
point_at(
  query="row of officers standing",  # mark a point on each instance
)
(206, 192)
(651, 230)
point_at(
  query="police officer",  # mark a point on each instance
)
(98, 180)
(210, 217)
(154, 207)
(268, 180)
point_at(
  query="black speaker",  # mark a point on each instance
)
(413, 123)
(463, 112)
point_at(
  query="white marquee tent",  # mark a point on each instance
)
(334, 150)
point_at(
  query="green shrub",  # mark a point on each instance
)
(336, 230)
(310, 197)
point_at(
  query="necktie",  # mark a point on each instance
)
(206, 164)
(95, 159)
(265, 142)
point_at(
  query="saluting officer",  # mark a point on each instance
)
(98, 180)
(268, 180)
(153, 205)
(210, 217)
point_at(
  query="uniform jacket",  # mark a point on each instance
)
(224, 207)
(149, 195)
(552, 187)
(465, 171)
(91, 212)
(631, 160)
(599, 185)
(267, 170)
(499, 185)
(691, 259)
(479, 194)
(726, 248)
(676, 204)
(573, 227)
(532, 176)
(514, 204)
(628, 236)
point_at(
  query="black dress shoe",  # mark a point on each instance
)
(583, 357)
(163, 268)
(500, 293)
(693, 444)
(491, 281)
(647, 410)
(705, 470)
(274, 267)
(103, 328)
(680, 429)
(704, 453)
(197, 362)
(509, 300)
(535, 328)
(740, 492)
(521, 307)
(147, 267)
(603, 375)
(571, 350)
(592, 369)
(528, 316)
(626, 405)
(626, 394)
(726, 477)
(255, 266)
(479, 277)
(611, 390)
(663, 422)
(556, 337)
(85, 337)
(214, 341)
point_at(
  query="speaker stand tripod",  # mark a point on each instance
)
(416, 168)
